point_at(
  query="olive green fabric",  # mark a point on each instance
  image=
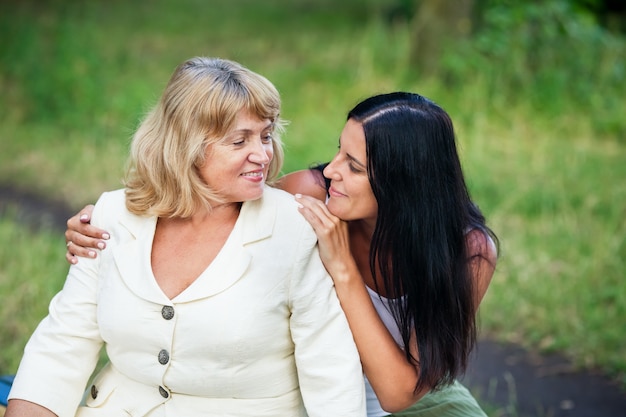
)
(452, 401)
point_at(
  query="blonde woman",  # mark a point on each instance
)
(211, 299)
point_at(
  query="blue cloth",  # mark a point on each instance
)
(5, 387)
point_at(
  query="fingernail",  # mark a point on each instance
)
(92, 254)
(100, 245)
(74, 261)
(84, 217)
(300, 205)
(105, 236)
(298, 195)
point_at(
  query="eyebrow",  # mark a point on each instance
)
(356, 161)
(248, 132)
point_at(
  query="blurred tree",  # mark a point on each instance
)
(610, 13)
(436, 25)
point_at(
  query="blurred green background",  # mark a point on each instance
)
(536, 90)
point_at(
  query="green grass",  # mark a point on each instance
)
(558, 207)
(547, 165)
(30, 275)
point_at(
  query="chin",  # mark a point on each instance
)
(336, 211)
(255, 196)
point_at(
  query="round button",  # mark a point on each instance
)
(164, 392)
(164, 357)
(167, 312)
(94, 392)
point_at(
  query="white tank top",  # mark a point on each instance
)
(382, 306)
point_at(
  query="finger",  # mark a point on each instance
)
(85, 214)
(314, 220)
(316, 206)
(325, 225)
(80, 242)
(313, 214)
(76, 224)
(71, 258)
(74, 250)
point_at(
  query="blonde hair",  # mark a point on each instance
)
(198, 107)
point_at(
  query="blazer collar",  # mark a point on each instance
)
(257, 218)
(255, 223)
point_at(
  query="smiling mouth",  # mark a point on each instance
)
(252, 174)
(333, 192)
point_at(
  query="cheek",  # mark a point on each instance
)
(367, 201)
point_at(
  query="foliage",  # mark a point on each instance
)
(537, 96)
(30, 275)
(551, 57)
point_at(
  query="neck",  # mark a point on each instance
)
(363, 228)
(222, 213)
(361, 233)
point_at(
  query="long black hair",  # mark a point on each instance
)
(419, 243)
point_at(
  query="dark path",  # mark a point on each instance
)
(506, 379)
(33, 210)
(521, 384)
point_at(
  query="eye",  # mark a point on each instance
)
(267, 138)
(239, 141)
(355, 169)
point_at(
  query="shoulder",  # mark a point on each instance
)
(287, 219)
(307, 181)
(110, 210)
(112, 198)
(480, 244)
(282, 202)
(277, 194)
(110, 202)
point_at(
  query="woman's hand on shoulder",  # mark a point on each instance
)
(81, 238)
(332, 236)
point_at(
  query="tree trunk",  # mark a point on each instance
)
(437, 25)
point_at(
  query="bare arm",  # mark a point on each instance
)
(22, 408)
(391, 375)
(483, 258)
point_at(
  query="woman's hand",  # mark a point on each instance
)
(393, 378)
(81, 238)
(332, 235)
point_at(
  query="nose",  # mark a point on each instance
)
(330, 171)
(261, 153)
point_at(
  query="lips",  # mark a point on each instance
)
(253, 174)
(256, 177)
(334, 193)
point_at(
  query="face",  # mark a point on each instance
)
(351, 197)
(236, 166)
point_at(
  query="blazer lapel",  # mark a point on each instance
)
(132, 258)
(255, 223)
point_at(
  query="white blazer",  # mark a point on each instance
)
(259, 333)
